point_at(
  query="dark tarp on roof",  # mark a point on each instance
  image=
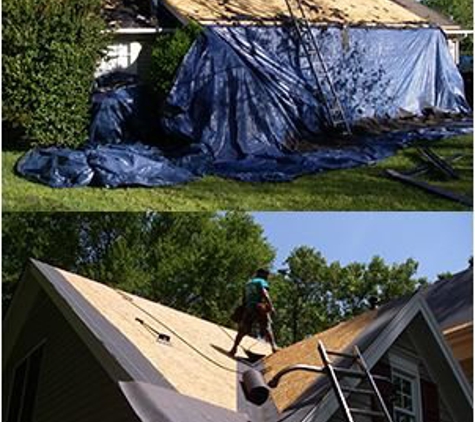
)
(152, 404)
(243, 99)
(451, 300)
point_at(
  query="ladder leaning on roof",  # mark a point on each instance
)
(364, 373)
(335, 114)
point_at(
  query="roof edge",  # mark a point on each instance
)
(387, 337)
(119, 357)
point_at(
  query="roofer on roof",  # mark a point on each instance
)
(256, 307)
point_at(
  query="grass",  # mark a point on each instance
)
(364, 188)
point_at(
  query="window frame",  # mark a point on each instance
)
(24, 361)
(408, 370)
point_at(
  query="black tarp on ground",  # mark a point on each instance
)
(243, 101)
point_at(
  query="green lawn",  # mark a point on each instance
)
(364, 188)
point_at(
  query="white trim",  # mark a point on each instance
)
(447, 351)
(464, 32)
(409, 370)
(142, 31)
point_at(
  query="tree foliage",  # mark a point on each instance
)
(199, 263)
(461, 11)
(50, 52)
(315, 294)
(196, 262)
(167, 55)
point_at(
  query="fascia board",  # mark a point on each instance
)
(446, 350)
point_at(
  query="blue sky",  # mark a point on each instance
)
(439, 241)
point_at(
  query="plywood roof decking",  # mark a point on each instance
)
(186, 370)
(427, 13)
(318, 11)
(293, 385)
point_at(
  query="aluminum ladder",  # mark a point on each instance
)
(325, 91)
(363, 374)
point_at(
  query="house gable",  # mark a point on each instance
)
(319, 404)
(72, 384)
(194, 362)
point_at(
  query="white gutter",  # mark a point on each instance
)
(464, 32)
(140, 31)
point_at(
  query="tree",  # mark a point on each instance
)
(50, 237)
(196, 262)
(461, 11)
(50, 52)
(315, 295)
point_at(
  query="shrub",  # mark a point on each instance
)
(167, 55)
(50, 51)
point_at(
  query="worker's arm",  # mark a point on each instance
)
(266, 296)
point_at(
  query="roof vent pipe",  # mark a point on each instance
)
(255, 387)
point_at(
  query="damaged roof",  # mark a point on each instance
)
(427, 13)
(350, 12)
(128, 13)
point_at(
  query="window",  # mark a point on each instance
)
(405, 398)
(405, 377)
(120, 56)
(24, 387)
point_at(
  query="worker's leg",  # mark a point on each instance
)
(245, 327)
(266, 331)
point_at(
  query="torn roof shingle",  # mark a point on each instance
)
(451, 300)
(322, 11)
(128, 13)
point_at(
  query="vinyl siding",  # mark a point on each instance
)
(72, 385)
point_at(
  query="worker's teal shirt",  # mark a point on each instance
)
(254, 291)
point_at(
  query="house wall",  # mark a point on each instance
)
(72, 385)
(129, 53)
(454, 48)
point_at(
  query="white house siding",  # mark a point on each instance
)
(72, 385)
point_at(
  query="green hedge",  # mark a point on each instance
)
(167, 55)
(50, 52)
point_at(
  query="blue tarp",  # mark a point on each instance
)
(243, 99)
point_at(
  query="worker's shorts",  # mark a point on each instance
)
(250, 316)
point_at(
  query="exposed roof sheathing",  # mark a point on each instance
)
(384, 12)
(425, 12)
(294, 384)
(183, 367)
